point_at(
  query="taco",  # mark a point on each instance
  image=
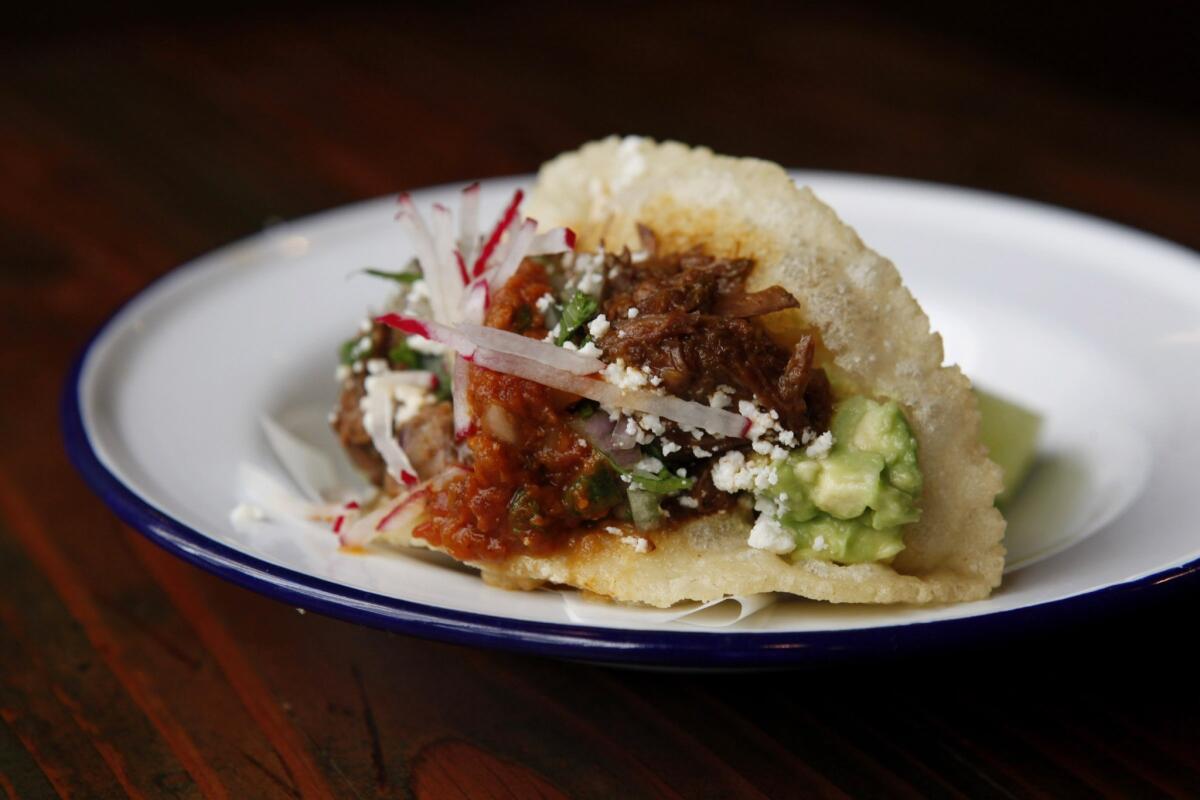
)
(695, 381)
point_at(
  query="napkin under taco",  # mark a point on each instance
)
(686, 379)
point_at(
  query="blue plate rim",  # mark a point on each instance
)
(685, 649)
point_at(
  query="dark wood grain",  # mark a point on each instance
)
(129, 144)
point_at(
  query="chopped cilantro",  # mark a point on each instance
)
(354, 349)
(410, 273)
(403, 356)
(578, 311)
(664, 482)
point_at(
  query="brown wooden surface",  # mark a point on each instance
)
(127, 147)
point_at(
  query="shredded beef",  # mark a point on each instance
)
(694, 328)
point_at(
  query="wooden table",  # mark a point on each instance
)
(129, 146)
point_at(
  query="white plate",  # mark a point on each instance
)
(1095, 326)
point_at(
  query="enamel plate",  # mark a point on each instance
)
(1094, 326)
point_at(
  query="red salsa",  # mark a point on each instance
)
(535, 482)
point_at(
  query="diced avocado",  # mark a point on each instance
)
(845, 541)
(891, 509)
(850, 504)
(863, 424)
(1010, 434)
(848, 482)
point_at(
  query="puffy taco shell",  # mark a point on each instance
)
(876, 338)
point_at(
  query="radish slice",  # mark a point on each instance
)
(443, 246)
(422, 241)
(555, 240)
(378, 422)
(534, 349)
(468, 231)
(478, 298)
(502, 224)
(685, 412)
(518, 247)
(693, 415)
(463, 425)
(434, 331)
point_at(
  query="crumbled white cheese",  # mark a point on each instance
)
(569, 345)
(590, 349)
(623, 377)
(655, 380)
(762, 447)
(778, 453)
(669, 447)
(735, 473)
(613, 530)
(719, 399)
(551, 334)
(807, 436)
(632, 312)
(649, 464)
(544, 302)
(654, 424)
(818, 543)
(377, 366)
(768, 534)
(687, 501)
(681, 472)
(700, 452)
(760, 421)
(787, 438)
(820, 447)
(591, 281)
(598, 327)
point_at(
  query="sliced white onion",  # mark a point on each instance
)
(468, 231)
(693, 415)
(462, 411)
(535, 349)
(555, 240)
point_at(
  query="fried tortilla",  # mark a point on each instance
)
(874, 339)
